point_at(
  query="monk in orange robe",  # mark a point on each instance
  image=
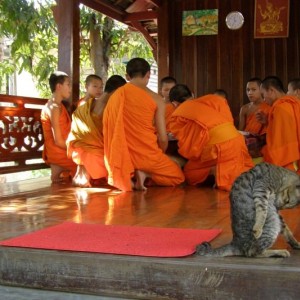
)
(56, 124)
(253, 130)
(248, 121)
(85, 141)
(283, 125)
(208, 139)
(133, 116)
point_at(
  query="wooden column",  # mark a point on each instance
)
(67, 18)
(163, 48)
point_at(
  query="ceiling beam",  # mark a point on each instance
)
(140, 28)
(140, 16)
(105, 8)
(156, 3)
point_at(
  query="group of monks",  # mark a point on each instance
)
(120, 136)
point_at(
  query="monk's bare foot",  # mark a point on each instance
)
(55, 174)
(65, 175)
(57, 180)
(140, 177)
(99, 182)
(81, 178)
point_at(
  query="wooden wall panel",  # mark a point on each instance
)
(229, 59)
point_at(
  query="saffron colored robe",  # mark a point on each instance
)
(207, 138)
(85, 141)
(252, 125)
(283, 134)
(52, 154)
(130, 142)
(169, 110)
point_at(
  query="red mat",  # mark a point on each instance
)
(128, 240)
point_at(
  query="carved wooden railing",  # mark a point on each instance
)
(21, 134)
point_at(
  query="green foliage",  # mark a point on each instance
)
(127, 45)
(40, 173)
(33, 32)
(6, 67)
(31, 27)
(124, 43)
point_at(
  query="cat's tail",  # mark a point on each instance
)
(205, 249)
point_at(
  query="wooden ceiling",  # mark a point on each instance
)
(141, 15)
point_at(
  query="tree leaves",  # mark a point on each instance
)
(31, 27)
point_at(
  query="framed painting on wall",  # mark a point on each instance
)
(200, 22)
(271, 18)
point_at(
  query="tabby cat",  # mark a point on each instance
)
(255, 198)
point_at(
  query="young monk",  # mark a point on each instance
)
(93, 87)
(255, 131)
(56, 124)
(135, 137)
(166, 84)
(248, 121)
(294, 88)
(208, 139)
(85, 141)
(283, 125)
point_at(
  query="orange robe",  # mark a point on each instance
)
(85, 141)
(252, 125)
(283, 134)
(219, 104)
(169, 110)
(130, 142)
(52, 154)
(207, 138)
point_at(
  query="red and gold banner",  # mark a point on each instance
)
(271, 18)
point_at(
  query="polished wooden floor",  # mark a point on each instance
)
(24, 208)
(31, 205)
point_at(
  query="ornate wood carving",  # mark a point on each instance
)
(21, 135)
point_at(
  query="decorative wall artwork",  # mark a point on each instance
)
(271, 18)
(200, 22)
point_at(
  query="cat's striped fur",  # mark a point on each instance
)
(255, 198)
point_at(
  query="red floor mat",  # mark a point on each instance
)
(127, 240)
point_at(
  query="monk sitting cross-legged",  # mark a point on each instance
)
(85, 141)
(135, 135)
(255, 132)
(208, 139)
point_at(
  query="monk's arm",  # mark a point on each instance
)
(98, 107)
(56, 130)
(160, 124)
(262, 117)
(242, 118)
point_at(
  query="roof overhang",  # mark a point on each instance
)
(140, 15)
